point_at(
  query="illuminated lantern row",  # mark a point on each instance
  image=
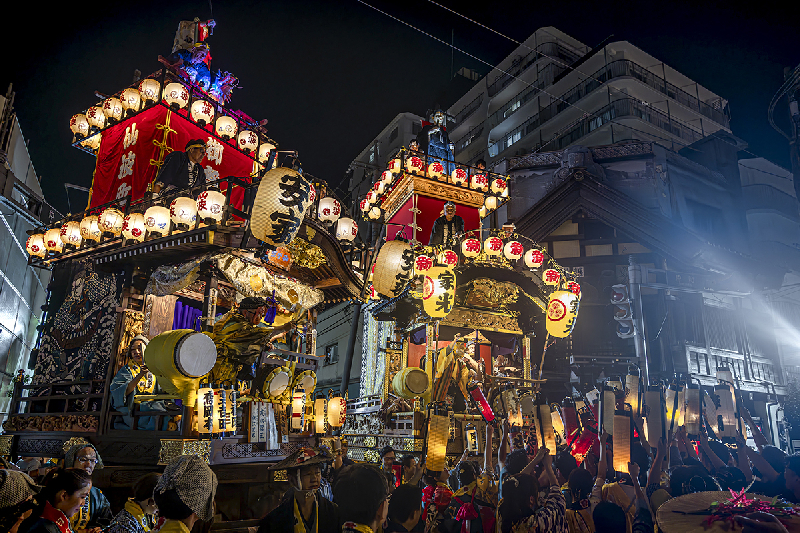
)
(513, 250)
(131, 99)
(491, 203)
(375, 213)
(471, 247)
(459, 176)
(436, 170)
(149, 89)
(35, 245)
(216, 410)
(422, 263)
(183, 211)
(319, 415)
(492, 246)
(534, 258)
(551, 277)
(379, 187)
(414, 165)
(156, 220)
(395, 166)
(264, 152)
(248, 141)
(479, 182)
(79, 125)
(387, 177)
(499, 185)
(52, 240)
(90, 229)
(364, 205)
(96, 117)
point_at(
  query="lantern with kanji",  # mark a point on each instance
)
(264, 151)
(133, 228)
(551, 277)
(562, 310)
(71, 234)
(479, 182)
(183, 212)
(226, 127)
(248, 141)
(156, 220)
(319, 415)
(513, 250)
(205, 409)
(90, 229)
(422, 263)
(280, 205)
(393, 268)
(35, 245)
(337, 411)
(110, 221)
(52, 240)
(447, 258)
(112, 109)
(436, 170)
(471, 247)
(329, 209)
(176, 95)
(438, 291)
(131, 99)
(379, 187)
(395, 166)
(534, 258)
(210, 206)
(79, 125)
(364, 205)
(498, 185)
(346, 229)
(415, 165)
(202, 112)
(493, 246)
(149, 90)
(96, 117)
(387, 177)
(371, 197)
(459, 176)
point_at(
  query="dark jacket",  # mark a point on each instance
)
(281, 519)
(175, 172)
(444, 232)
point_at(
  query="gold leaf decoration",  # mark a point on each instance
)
(305, 254)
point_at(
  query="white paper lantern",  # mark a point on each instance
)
(375, 213)
(574, 288)
(364, 205)
(534, 258)
(96, 117)
(483, 212)
(513, 250)
(183, 211)
(371, 197)
(337, 411)
(281, 202)
(447, 258)
(211, 205)
(35, 245)
(387, 177)
(226, 127)
(471, 247)
(329, 209)
(248, 141)
(133, 228)
(422, 263)
(493, 246)
(562, 310)
(346, 229)
(436, 170)
(379, 187)
(112, 108)
(499, 185)
(490, 203)
(264, 151)
(149, 89)
(551, 277)
(156, 220)
(202, 112)
(319, 415)
(71, 233)
(395, 166)
(438, 292)
(176, 95)
(111, 220)
(52, 240)
(479, 182)
(90, 228)
(459, 176)
(415, 165)
(93, 142)
(298, 409)
(393, 268)
(79, 125)
(131, 99)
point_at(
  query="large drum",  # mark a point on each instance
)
(411, 382)
(178, 358)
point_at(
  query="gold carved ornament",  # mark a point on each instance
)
(305, 254)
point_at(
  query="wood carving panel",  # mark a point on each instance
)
(161, 314)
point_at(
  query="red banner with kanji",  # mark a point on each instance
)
(131, 152)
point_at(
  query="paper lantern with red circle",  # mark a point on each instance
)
(79, 125)
(534, 258)
(415, 165)
(436, 170)
(226, 128)
(499, 185)
(133, 227)
(264, 151)
(156, 220)
(329, 209)
(438, 291)
(379, 187)
(493, 246)
(183, 211)
(248, 141)
(479, 182)
(35, 245)
(459, 176)
(562, 310)
(574, 288)
(387, 177)
(52, 240)
(513, 250)
(471, 247)
(71, 233)
(395, 166)
(422, 263)
(447, 258)
(551, 276)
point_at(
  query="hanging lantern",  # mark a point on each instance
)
(483, 212)
(492, 246)
(726, 416)
(90, 229)
(319, 415)
(470, 439)
(459, 176)
(574, 288)
(71, 234)
(499, 185)
(415, 165)
(693, 412)
(622, 440)
(329, 209)
(264, 151)
(395, 166)
(133, 228)
(211, 206)
(281, 202)
(131, 99)
(438, 292)
(490, 203)
(96, 117)
(436, 170)
(387, 177)
(534, 258)
(112, 109)
(375, 213)
(346, 229)
(93, 142)
(632, 392)
(471, 247)
(79, 125)
(551, 277)
(364, 205)
(543, 421)
(205, 409)
(562, 311)
(479, 182)
(447, 258)
(393, 268)
(298, 409)
(110, 221)
(248, 141)
(379, 187)
(202, 112)
(221, 420)
(35, 245)
(183, 212)
(655, 409)
(226, 127)
(337, 411)
(176, 95)
(422, 263)
(371, 197)
(478, 397)
(438, 434)
(513, 250)
(156, 220)
(149, 89)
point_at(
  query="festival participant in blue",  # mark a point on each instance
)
(434, 141)
(134, 378)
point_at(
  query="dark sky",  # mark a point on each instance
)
(330, 75)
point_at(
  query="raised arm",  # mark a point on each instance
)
(487, 450)
(741, 458)
(658, 464)
(716, 462)
(540, 455)
(758, 436)
(767, 472)
(501, 451)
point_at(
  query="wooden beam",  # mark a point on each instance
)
(328, 283)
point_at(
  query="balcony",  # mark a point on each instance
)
(468, 110)
(467, 139)
(550, 50)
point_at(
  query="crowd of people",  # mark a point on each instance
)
(507, 492)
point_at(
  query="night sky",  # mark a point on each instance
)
(329, 76)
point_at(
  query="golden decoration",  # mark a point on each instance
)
(174, 448)
(371, 456)
(482, 320)
(292, 294)
(255, 283)
(491, 294)
(369, 442)
(305, 254)
(280, 475)
(74, 441)
(5, 444)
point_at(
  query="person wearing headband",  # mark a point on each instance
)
(447, 227)
(182, 170)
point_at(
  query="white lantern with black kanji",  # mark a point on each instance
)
(112, 109)
(459, 176)
(562, 310)
(149, 90)
(90, 228)
(52, 240)
(436, 170)
(248, 141)
(211, 206)
(133, 228)
(346, 229)
(534, 258)
(438, 291)
(329, 209)
(479, 182)
(498, 185)
(183, 212)
(205, 410)
(131, 99)
(393, 268)
(447, 258)
(493, 246)
(281, 202)
(471, 247)
(513, 250)
(35, 245)
(156, 220)
(176, 95)
(79, 125)
(71, 233)
(226, 127)
(202, 112)
(110, 221)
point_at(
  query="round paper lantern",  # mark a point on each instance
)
(226, 127)
(149, 89)
(459, 176)
(111, 220)
(471, 247)
(371, 197)
(96, 117)
(281, 202)
(375, 213)
(131, 99)
(395, 166)
(210, 205)
(202, 112)
(329, 209)
(79, 125)
(551, 276)
(35, 245)
(534, 258)
(364, 205)
(133, 228)
(183, 211)
(436, 170)
(112, 108)
(483, 212)
(156, 220)
(562, 310)
(379, 187)
(176, 95)
(92, 142)
(346, 229)
(90, 228)
(387, 177)
(479, 182)
(574, 288)
(438, 292)
(415, 165)
(71, 233)
(447, 258)
(499, 185)
(337, 411)
(393, 268)
(513, 250)
(248, 141)
(52, 240)
(490, 203)
(264, 151)
(493, 246)
(422, 263)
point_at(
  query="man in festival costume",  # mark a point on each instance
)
(447, 227)
(185, 494)
(302, 510)
(434, 141)
(362, 494)
(182, 170)
(95, 513)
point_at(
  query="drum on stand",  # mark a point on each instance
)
(178, 359)
(411, 382)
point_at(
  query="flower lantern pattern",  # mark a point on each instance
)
(447, 258)
(329, 209)
(131, 99)
(112, 108)
(551, 276)
(156, 219)
(346, 229)
(513, 250)
(226, 128)
(562, 310)
(96, 117)
(111, 220)
(493, 246)
(479, 182)
(436, 170)
(459, 176)
(415, 165)
(471, 247)
(183, 210)
(534, 258)
(149, 89)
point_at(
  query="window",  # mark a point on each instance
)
(394, 134)
(331, 354)
(373, 153)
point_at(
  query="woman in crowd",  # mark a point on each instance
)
(436, 497)
(139, 513)
(185, 494)
(95, 512)
(16, 499)
(63, 494)
(519, 511)
(579, 513)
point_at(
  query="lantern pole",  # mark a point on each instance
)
(544, 352)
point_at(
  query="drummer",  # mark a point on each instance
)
(134, 378)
